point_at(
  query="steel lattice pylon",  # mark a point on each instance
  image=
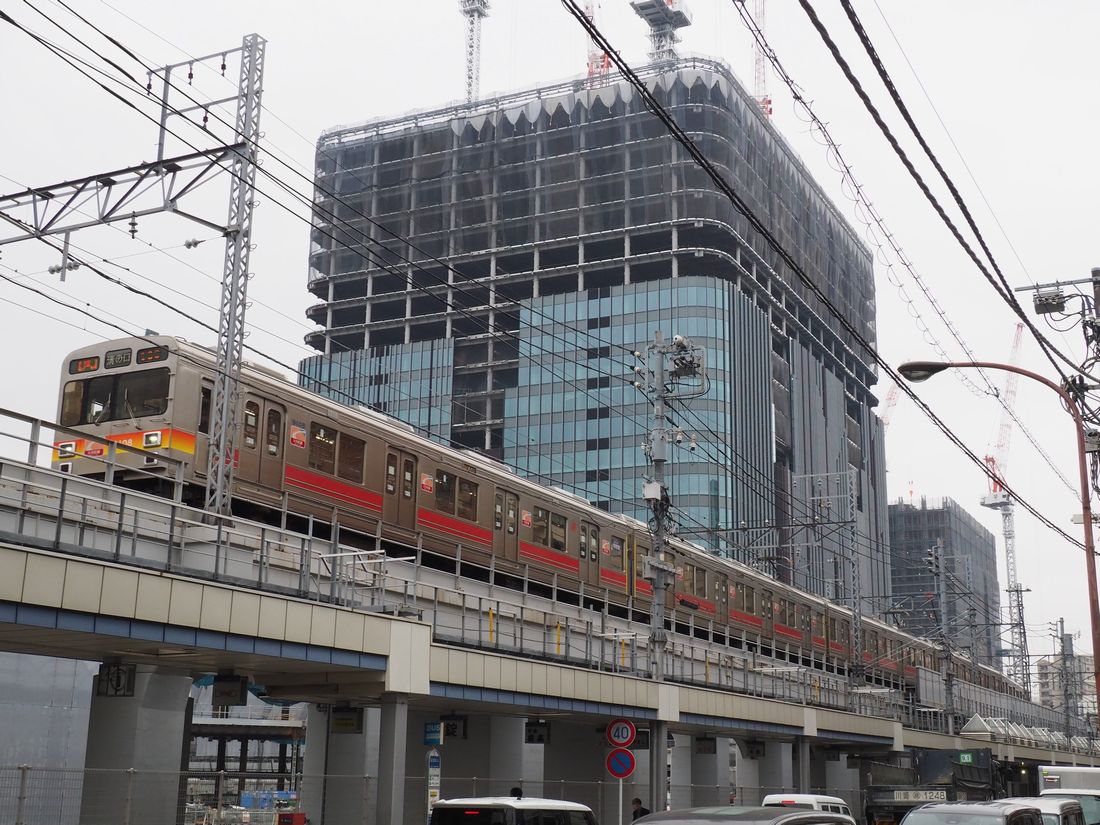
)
(473, 11)
(234, 293)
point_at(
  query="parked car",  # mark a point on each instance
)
(1056, 809)
(811, 801)
(782, 815)
(998, 812)
(510, 810)
(1089, 798)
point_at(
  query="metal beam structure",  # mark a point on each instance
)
(234, 293)
(473, 11)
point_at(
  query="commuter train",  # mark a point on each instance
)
(302, 455)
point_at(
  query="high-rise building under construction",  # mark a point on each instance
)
(485, 271)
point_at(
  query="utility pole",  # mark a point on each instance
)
(668, 364)
(938, 565)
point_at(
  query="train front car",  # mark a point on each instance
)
(122, 391)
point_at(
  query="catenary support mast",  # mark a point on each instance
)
(234, 294)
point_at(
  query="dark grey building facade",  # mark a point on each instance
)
(973, 593)
(517, 251)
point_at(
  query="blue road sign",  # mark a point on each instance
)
(621, 763)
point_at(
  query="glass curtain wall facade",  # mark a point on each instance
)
(973, 592)
(547, 233)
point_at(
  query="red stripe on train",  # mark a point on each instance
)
(643, 587)
(613, 577)
(454, 527)
(819, 641)
(755, 621)
(551, 557)
(790, 632)
(838, 647)
(348, 493)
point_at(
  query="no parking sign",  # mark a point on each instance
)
(621, 763)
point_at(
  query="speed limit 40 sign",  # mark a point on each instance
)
(621, 733)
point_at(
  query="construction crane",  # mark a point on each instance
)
(599, 64)
(473, 11)
(664, 17)
(760, 71)
(888, 406)
(998, 499)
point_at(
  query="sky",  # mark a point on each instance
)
(1004, 91)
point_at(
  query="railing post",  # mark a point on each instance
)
(221, 794)
(32, 447)
(21, 802)
(171, 536)
(112, 457)
(60, 512)
(118, 527)
(177, 484)
(128, 812)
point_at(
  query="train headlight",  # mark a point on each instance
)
(150, 440)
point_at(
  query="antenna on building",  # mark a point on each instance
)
(599, 64)
(473, 11)
(664, 18)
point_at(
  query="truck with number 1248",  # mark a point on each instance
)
(892, 789)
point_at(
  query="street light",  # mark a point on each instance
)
(917, 371)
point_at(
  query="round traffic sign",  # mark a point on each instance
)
(621, 733)
(621, 763)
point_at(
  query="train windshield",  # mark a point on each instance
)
(118, 397)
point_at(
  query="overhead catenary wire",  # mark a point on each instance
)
(998, 282)
(859, 194)
(696, 154)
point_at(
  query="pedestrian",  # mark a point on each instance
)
(517, 792)
(639, 810)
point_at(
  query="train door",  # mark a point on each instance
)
(506, 524)
(399, 501)
(260, 448)
(590, 553)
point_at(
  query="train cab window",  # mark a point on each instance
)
(141, 393)
(391, 474)
(71, 401)
(322, 448)
(273, 432)
(204, 411)
(352, 452)
(467, 500)
(557, 531)
(251, 428)
(444, 492)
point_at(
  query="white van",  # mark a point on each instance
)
(813, 801)
(509, 810)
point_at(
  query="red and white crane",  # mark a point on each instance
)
(599, 64)
(997, 499)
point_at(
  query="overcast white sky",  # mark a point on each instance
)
(1013, 81)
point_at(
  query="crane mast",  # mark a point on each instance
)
(760, 68)
(473, 11)
(997, 499)
(599, 64)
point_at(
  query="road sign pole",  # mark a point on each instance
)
(620, 801)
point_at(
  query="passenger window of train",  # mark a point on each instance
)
(700, 582)
(467, 500)
(407, 479)
(557, 531)
(274, 432)
(584, 541)
(617, 550)
(204, 411)
(511, 518)
(498, 512)
(391, 474)
(686, 575)
(322, 448)
(444, 492)
(594, 543)
(352, 451)
(540, 526)
(750, 600)
(251, 424)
